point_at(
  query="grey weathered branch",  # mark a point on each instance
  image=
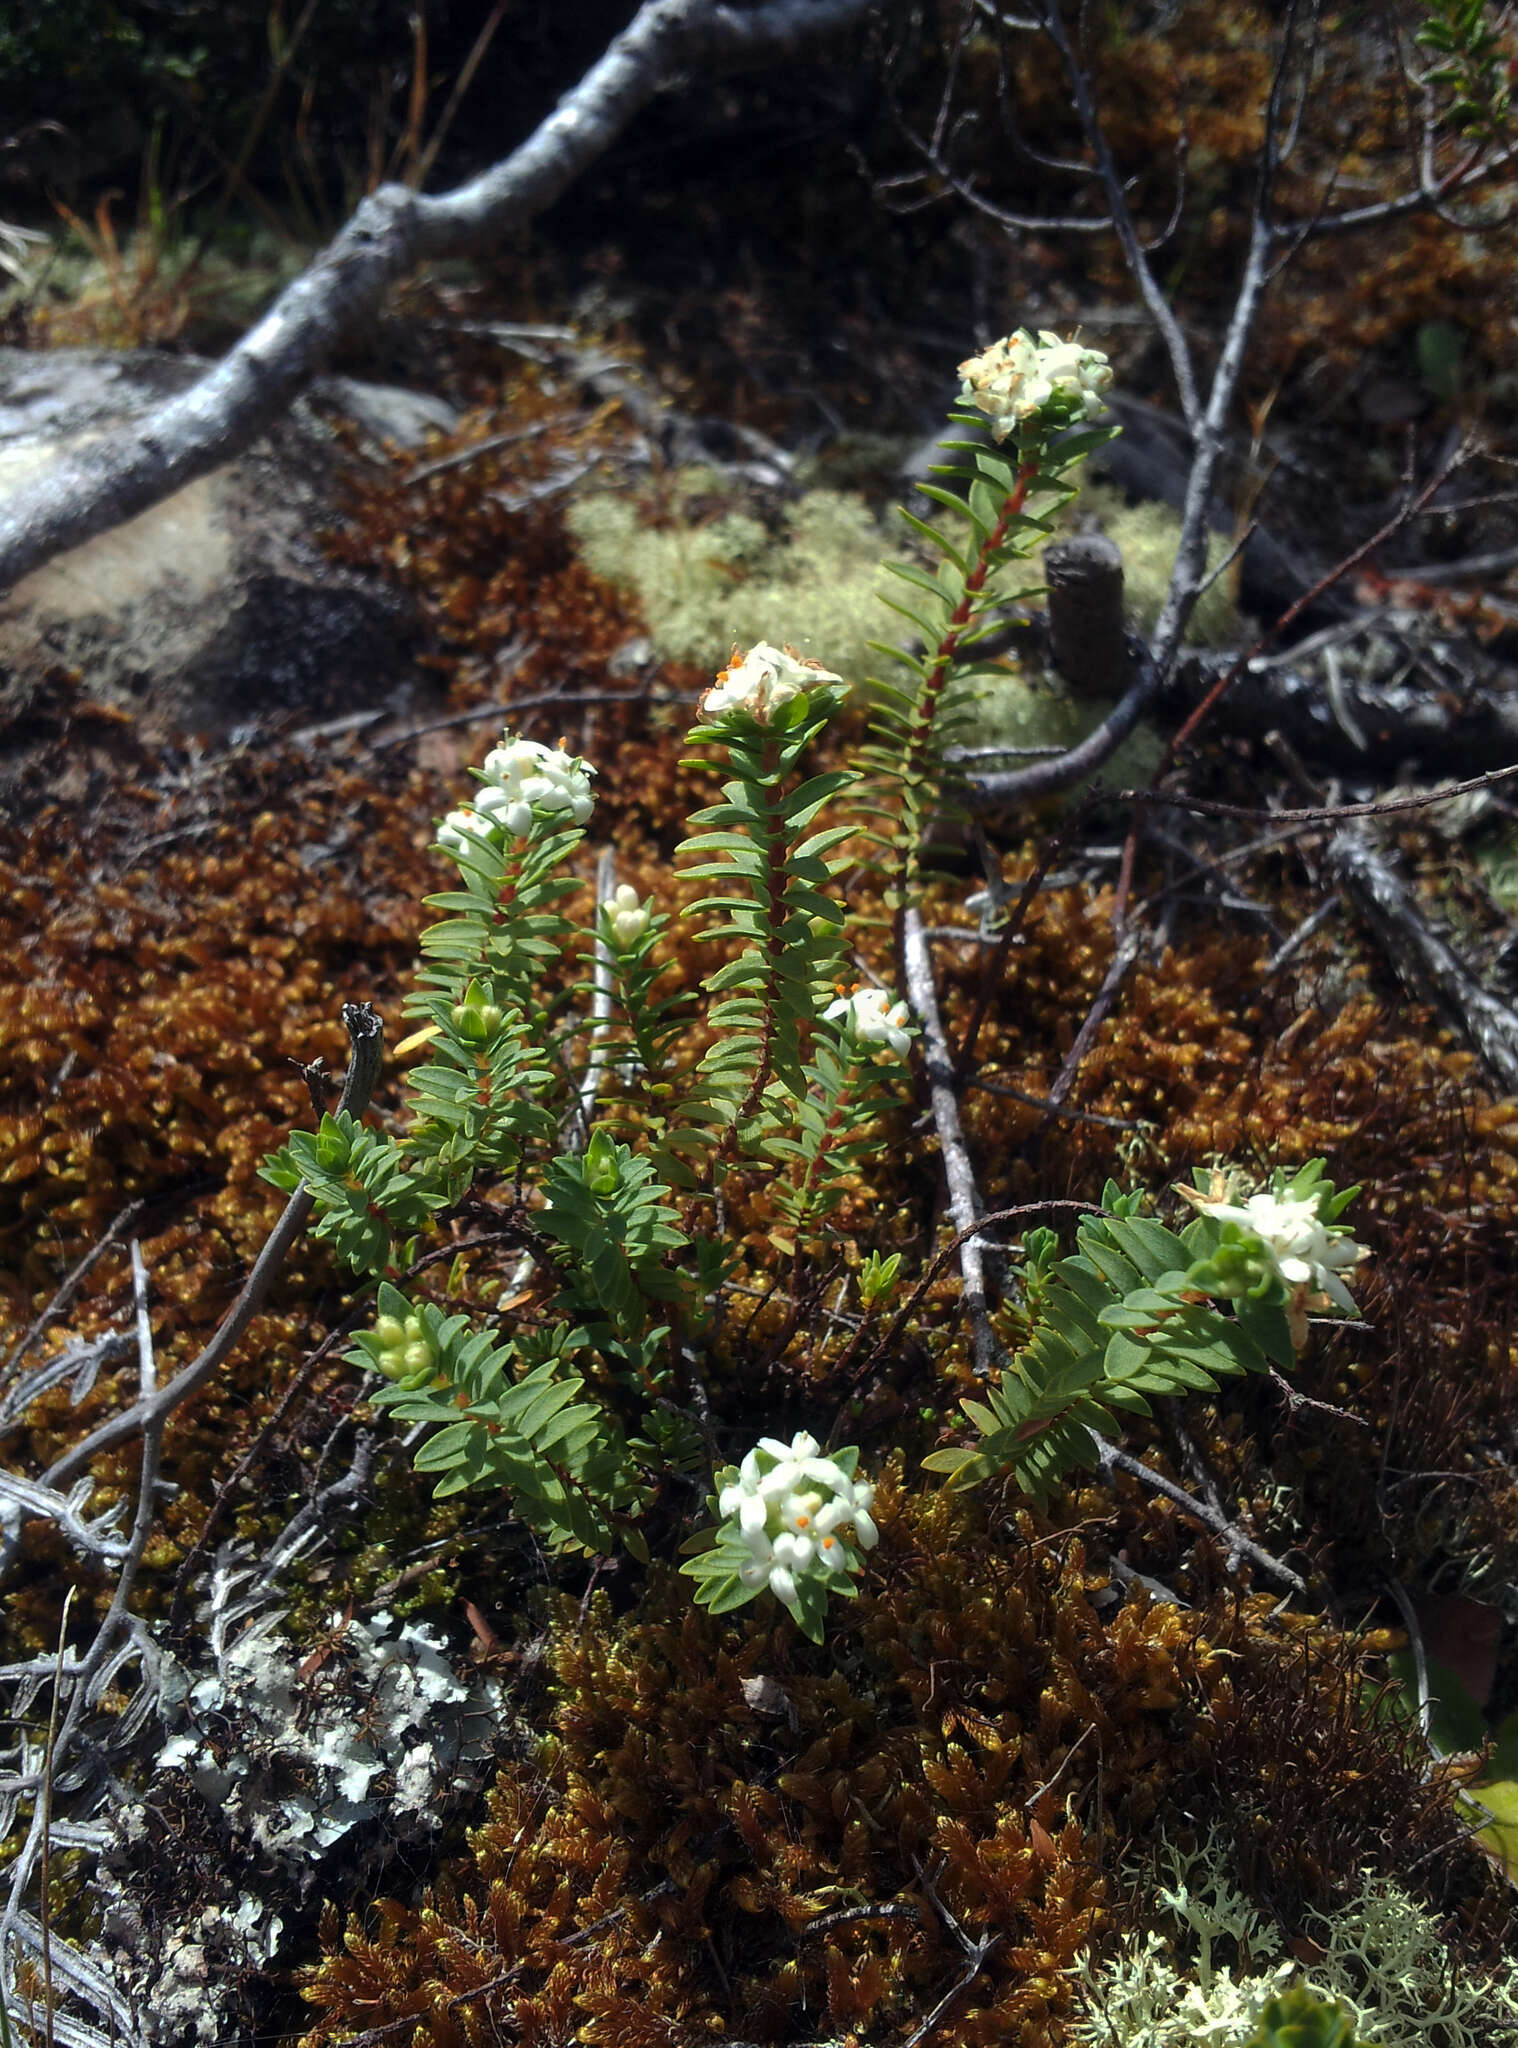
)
(1115, 1459)
(1420, 956)
(392, 231)
(965, 1205)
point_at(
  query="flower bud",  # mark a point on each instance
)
(475, 1019)
(624, 917)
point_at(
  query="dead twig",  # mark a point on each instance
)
(1114, 1459)
(964, 1200)
(154, 1406)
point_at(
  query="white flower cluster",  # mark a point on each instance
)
(789, 1503)
(625, 916)
(760, 681)
(521, 777)
(1304, 1250)
(1015, 380)
(871, 1018)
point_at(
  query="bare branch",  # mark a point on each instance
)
(964, 1199)
(392, 231)
(1122, 220)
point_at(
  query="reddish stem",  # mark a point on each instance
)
(775, 853)
(975, 583)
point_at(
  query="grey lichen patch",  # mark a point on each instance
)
(287, 1770)
(295, 1753)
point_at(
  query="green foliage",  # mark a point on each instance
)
(363, 1189)
(1299, 2020)
(609, 1209)
(1002, 505)
(1466, 40)
(474, 1104)
(561, 1457)
(1130, 1316)
(504, 926)
(773, 869)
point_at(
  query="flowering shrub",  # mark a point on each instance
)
(616, 1153)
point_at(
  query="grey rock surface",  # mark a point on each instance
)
(218, 606)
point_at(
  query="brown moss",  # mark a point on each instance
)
(734, 1833)
(758, 1834)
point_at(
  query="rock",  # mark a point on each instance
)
(218, 606)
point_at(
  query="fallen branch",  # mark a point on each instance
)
(964, 1199)
(392, 231)
(1421, 957)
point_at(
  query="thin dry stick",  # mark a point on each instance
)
(117, 1615)
(45, 1913)
(155, 1406)
(1320, 815)
(1127, 952)
(1408, 510)
(964, 1200)
(69, 1287)
(461, 84)
(1209, 1517)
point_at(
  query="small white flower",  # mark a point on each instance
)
(762, 680)
(871, 1018)
(523, 776)
(625, 917)
(1015, 380)
(788, 1504)
(1300, 1244)
(782, 1584)
(463, 830)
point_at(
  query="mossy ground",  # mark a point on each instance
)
(716, 1831)
(710, 1831)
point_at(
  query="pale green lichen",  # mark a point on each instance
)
(708, 575)
(1209, 1974)
(707, 584)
